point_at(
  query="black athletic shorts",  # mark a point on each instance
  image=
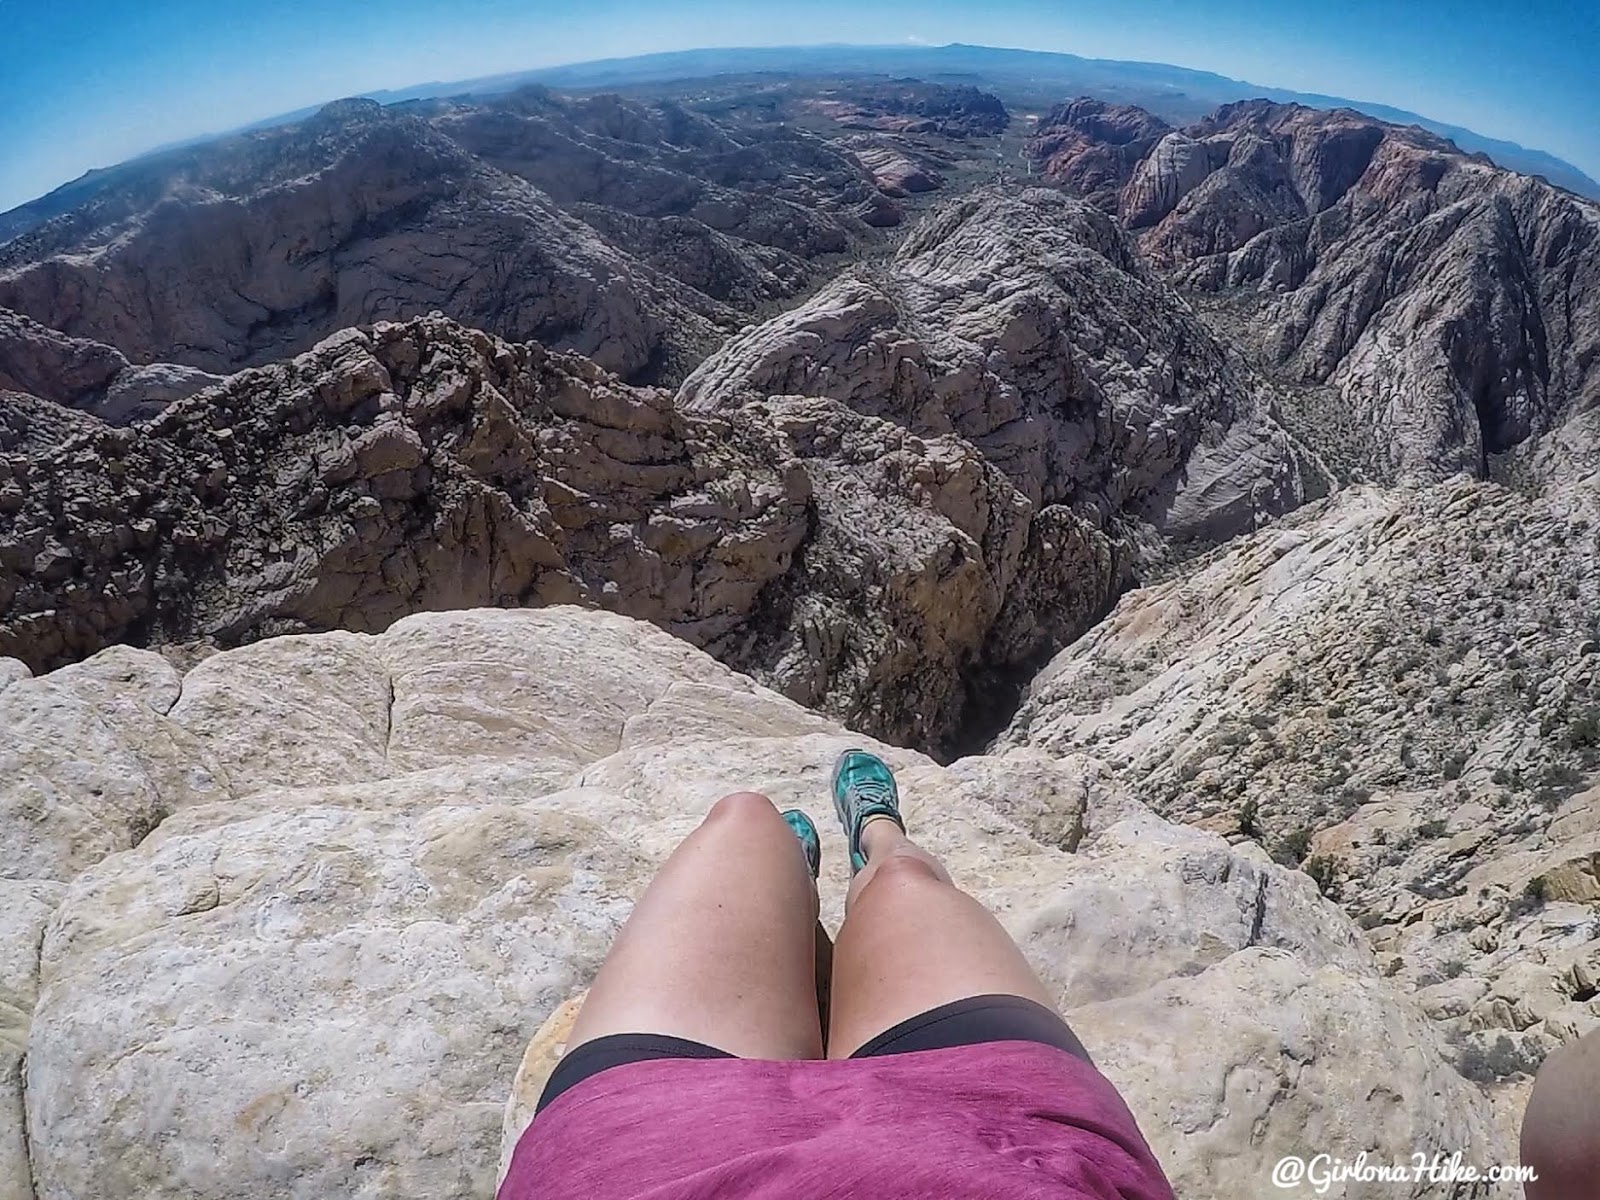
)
(968, 1022)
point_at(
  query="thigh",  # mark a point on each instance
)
(721, 948)
(912, 942)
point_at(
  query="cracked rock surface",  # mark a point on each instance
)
(1399, 691)
(634, 233)
(1025, 324)
(320, 971)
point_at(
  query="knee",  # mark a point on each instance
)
(1559, 1127)
(905, 868)
(742, 808)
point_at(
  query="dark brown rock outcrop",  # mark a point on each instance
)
(29, 425)
(81, 374)
(421, 466)
(911, 106)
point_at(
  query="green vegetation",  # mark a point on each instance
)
(1500, 1061)
(1584, 732)
(1292, 850)
(1532, 898)
(1324, 871)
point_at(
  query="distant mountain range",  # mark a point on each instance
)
(1177, 94)
(1020, 77)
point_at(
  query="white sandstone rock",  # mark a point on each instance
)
(319, 979)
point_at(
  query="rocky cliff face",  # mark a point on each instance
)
(1426, 312)
(1400, 692)
(1448, 306)
(890, 501)
(331, 885)
(72, 373)
(356, 215)
(1092, 147)
(1025, 325)
(637, 233)
(882, 574)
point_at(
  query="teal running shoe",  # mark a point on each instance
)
(863, 787)
(809, 841)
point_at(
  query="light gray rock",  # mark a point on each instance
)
(461, 689)
(322, 982)
(1259, 1058)
(89, 763)
(1401, 691)
(25, 906)
(1174, 168)
(322, 1002)
(291, 712)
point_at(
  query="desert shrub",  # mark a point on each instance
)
(1500, 1061)
(1532, 898)
(1584, 730)
(1556, 784)
(1324, 871)
(1294, 847)
(1509, 778)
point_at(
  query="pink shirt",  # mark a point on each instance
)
(1017, 1120)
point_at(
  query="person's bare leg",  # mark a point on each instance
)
(911, 941)
(721, 949)
(1561, 1126)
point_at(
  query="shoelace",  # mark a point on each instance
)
(874, 791)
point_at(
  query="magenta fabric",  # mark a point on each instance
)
(1003, 1119)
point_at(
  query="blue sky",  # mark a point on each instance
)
(87, 83)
